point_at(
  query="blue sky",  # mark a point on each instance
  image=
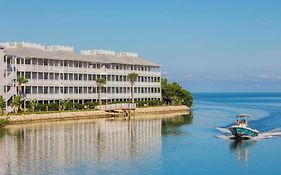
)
(206, 45)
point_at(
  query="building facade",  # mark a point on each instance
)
(57, 72)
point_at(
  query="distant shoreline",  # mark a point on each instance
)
(80, 115)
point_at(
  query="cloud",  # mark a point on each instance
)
(267, 77)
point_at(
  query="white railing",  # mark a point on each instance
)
(118, 106)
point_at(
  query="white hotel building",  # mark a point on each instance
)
(57, 72)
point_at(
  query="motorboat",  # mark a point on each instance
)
(241, 128)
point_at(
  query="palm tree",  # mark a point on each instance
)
(21, 81)
(33, 104)
(2, 104)
(132, 78)
(16, 103)
(100, 83)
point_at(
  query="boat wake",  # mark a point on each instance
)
(226, 134)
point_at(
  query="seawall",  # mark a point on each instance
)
(60, 116)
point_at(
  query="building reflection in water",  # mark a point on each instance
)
(43, 148)
(241, 148)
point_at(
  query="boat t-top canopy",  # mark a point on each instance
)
(243, 115)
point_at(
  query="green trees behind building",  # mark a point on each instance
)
(173, 93)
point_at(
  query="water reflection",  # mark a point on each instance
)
(50, 147)
(172, 126)
(241, 148)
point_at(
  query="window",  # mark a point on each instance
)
(51, 90)
(65, 76)
(28, 75)
(71, 90)
(28, 61)
(51, 76)
(70, 76)
(57, 75)
(46, 77)
(34, 61)
(51, 62)
(27, 90)
(40, 90)
(40, 75)
(45, 62)
(46, 90)
(65, 90)
(34, 89)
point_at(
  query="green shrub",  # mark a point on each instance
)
(42, 107)
(4, 122)
(79, 106)
(54, 107)
(91, 105)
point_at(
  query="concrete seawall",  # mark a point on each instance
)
(16, 119)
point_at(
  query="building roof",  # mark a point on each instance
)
(68, 55)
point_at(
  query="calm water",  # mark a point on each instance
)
(178, 145)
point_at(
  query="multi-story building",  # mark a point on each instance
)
(57, 72)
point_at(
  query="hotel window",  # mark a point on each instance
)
(45, 62)
(40, 75)
(65, 90)
(90, 77)
(45, 90)
(75, 64)
(40, 62)
(85, 90)
(65, 63)
(34, 61)
(51, 89)
(71, 90)
(70, 76)
(18, 60)
(51, 62)
(80, 77)
(76, 90)
(61, 76)
(98, 66)
(71, 64)
(40, 90)
(27, 61)
(56, 62)
(65, 76)
(85, 77)
(27, 90)
(57, 90)
(108, 90)
(90, 90)
(108, 77)
(75, 77)
(28, 75)
(46, 76)
(94, 77)
(34, 89)
(57, 76)
(51, 76)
